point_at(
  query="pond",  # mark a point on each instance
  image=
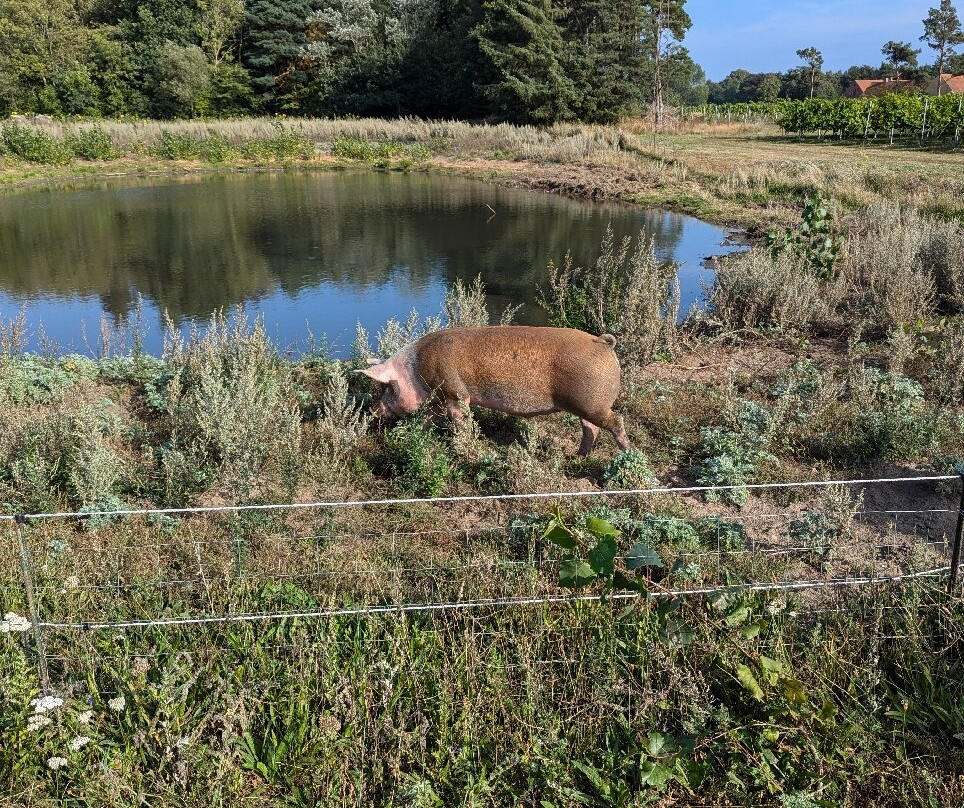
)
(310, 252)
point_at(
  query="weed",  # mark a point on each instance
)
(629, 469)
(92, 143)
(34, 145)
(342, 421)
(627, 292)
(816, 242)
(418, 458)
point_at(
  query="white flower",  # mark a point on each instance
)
(57, 763)
(14, 622)
(71, 582)
(36, 722)
(46, 703)
(85, 716)
(117, 704)
(79, 743)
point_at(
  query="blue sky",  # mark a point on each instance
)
(764, 36)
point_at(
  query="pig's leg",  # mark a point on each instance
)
(611, 422)
(589, 434)
(615, 425)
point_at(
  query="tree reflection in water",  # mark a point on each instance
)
(318, 250)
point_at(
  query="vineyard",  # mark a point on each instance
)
(897, 115)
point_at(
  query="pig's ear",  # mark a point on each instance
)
(383, 373)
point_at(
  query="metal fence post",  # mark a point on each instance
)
(28, 584)
(956, 550)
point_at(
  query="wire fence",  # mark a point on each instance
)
(200, 568)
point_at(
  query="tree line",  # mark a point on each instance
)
(942, 34)
(519, 60)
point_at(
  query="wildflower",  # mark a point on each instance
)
(79, 743)
(36, 722)
(57, 763)
(141, 665)
(14, 622)
(71, 582)
(85, 716)
(45, 703)
(117, 704)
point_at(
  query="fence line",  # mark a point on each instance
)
(443, 602)
(692, 489)
(412, 608)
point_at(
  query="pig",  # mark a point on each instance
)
(520, 370)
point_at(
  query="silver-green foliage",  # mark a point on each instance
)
(231, 399)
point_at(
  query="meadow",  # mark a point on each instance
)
(832, 349)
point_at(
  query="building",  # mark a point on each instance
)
(947, 84)
(871, 88)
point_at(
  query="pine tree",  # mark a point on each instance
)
(604, 56)
(942, 31)
(814, 60)
(523, 42)
(898, 54)
(276, 34)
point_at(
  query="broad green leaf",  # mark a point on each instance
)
(602, 557)
(561, 536)
(655, 774)
(794, 691)
(828, 711)
(738, 616)
(622, 581)
(642, 555)
(751, 630)
(749, 682)
(601, 528)
(574, 573)
(656, 744)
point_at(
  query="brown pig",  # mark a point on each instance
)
(520, 370)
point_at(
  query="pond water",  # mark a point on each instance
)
(311, 252)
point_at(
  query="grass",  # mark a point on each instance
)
(742, 175)
(844, 697)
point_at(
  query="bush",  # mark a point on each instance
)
(732, 453)
(419, 460)
(353, 148)
(231, 401)
(761, 291)
(34, 145)
(629, 469)
(627, 292)
(215, 148)
(173, 146)
(92, 144)
(342, 421)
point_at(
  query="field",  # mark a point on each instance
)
(732, 645)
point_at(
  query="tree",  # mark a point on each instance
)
(667, 24)
(769, 88)
(900, 54)
(814, 60)
(218, 22)
(183, 80)
(603, 56)
(942, 31)
(276, 36)
(525, 47)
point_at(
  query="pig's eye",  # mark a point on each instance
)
(391, 391)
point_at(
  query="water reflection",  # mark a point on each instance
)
(320, 250)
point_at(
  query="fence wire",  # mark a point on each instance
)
(263, 564)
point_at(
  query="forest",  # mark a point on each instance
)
(525, 61)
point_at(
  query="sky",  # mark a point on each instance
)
(763, 36)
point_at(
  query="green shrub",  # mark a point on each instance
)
(231, 402)
(883, 417)
(34, 145)
(284, 144)
(174, 146)
(629, 469)
(92, 144)
(30, 379)
(353, 148)
(419, 460)
(732, 454)
(215, 148)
